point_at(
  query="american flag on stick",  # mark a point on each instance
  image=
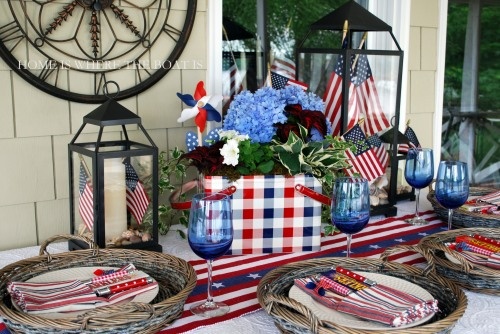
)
(333, 97)
(137, 199)
(86, 201)
(279, 81)
(379, 149)
(284, 67)
(363, 96)
(235, 82)
(364, 161)
(367, 99)
(413, 141)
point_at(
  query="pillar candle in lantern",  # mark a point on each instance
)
(115, 198)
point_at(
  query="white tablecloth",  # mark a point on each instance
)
(481, 317)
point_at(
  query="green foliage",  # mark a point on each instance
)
(287, 23)
(489, 68)
(171, 170)
(254, 158)
(319, 158)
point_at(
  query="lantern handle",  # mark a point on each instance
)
(105, 89)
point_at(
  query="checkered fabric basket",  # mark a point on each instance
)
(271, 213)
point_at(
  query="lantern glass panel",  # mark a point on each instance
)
(317, 67)
(113, 192)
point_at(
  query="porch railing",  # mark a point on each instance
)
(474, 135)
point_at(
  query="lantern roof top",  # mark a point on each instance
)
(111, 113)
(358, 18)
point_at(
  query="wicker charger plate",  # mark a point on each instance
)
(344, 319)
(461, 219)
(291, 316)
(455, 267)
(176, 279)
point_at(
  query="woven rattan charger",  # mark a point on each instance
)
(469, 276)
(461, 218)
(176, 279)
(291, 316)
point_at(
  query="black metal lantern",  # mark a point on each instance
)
(114, 183)
(352, 40)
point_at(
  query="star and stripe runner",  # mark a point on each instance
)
(235, 278)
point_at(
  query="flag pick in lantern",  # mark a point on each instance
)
(202, 107)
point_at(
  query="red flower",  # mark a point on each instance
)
(206, 158)
(283, 130)
(307, 118)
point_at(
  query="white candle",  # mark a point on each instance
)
(115, 198)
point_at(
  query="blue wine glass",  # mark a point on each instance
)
(350, 206)
(419, 172)
(452, 186)
(210, 235)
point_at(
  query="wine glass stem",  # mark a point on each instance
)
(210, 299)
(417, 196)
(349, 238)
(450, 214)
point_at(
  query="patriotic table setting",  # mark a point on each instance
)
(236, 277)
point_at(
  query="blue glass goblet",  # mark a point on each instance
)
(419, 172)
(210, 235)
(452, 186)
(350, 206)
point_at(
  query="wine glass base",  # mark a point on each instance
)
(416, 221)
(210, 309)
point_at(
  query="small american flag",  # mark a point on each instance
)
(364, 161)
(379, 148)
(279, 81)
(235, 82)
(283, 66)
(333, 97)
(86, 202)
(368, 102)
(137, 199)
(412, 137)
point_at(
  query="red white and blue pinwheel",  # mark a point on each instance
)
(202, 107)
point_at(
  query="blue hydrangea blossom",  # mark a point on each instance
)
(256, 113)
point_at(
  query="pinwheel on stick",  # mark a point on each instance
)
(202, 108)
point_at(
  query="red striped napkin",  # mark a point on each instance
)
(65, 296)
(386, 305)
(378, 303)
(492, 261)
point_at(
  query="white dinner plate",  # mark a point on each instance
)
(347, 320)
(451, 258)
(84, 273)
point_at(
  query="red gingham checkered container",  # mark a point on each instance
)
(270, 215)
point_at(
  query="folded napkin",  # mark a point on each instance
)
(378, 303)
(478, 249)
(65, 296)
(488, 204)
(492, 260)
